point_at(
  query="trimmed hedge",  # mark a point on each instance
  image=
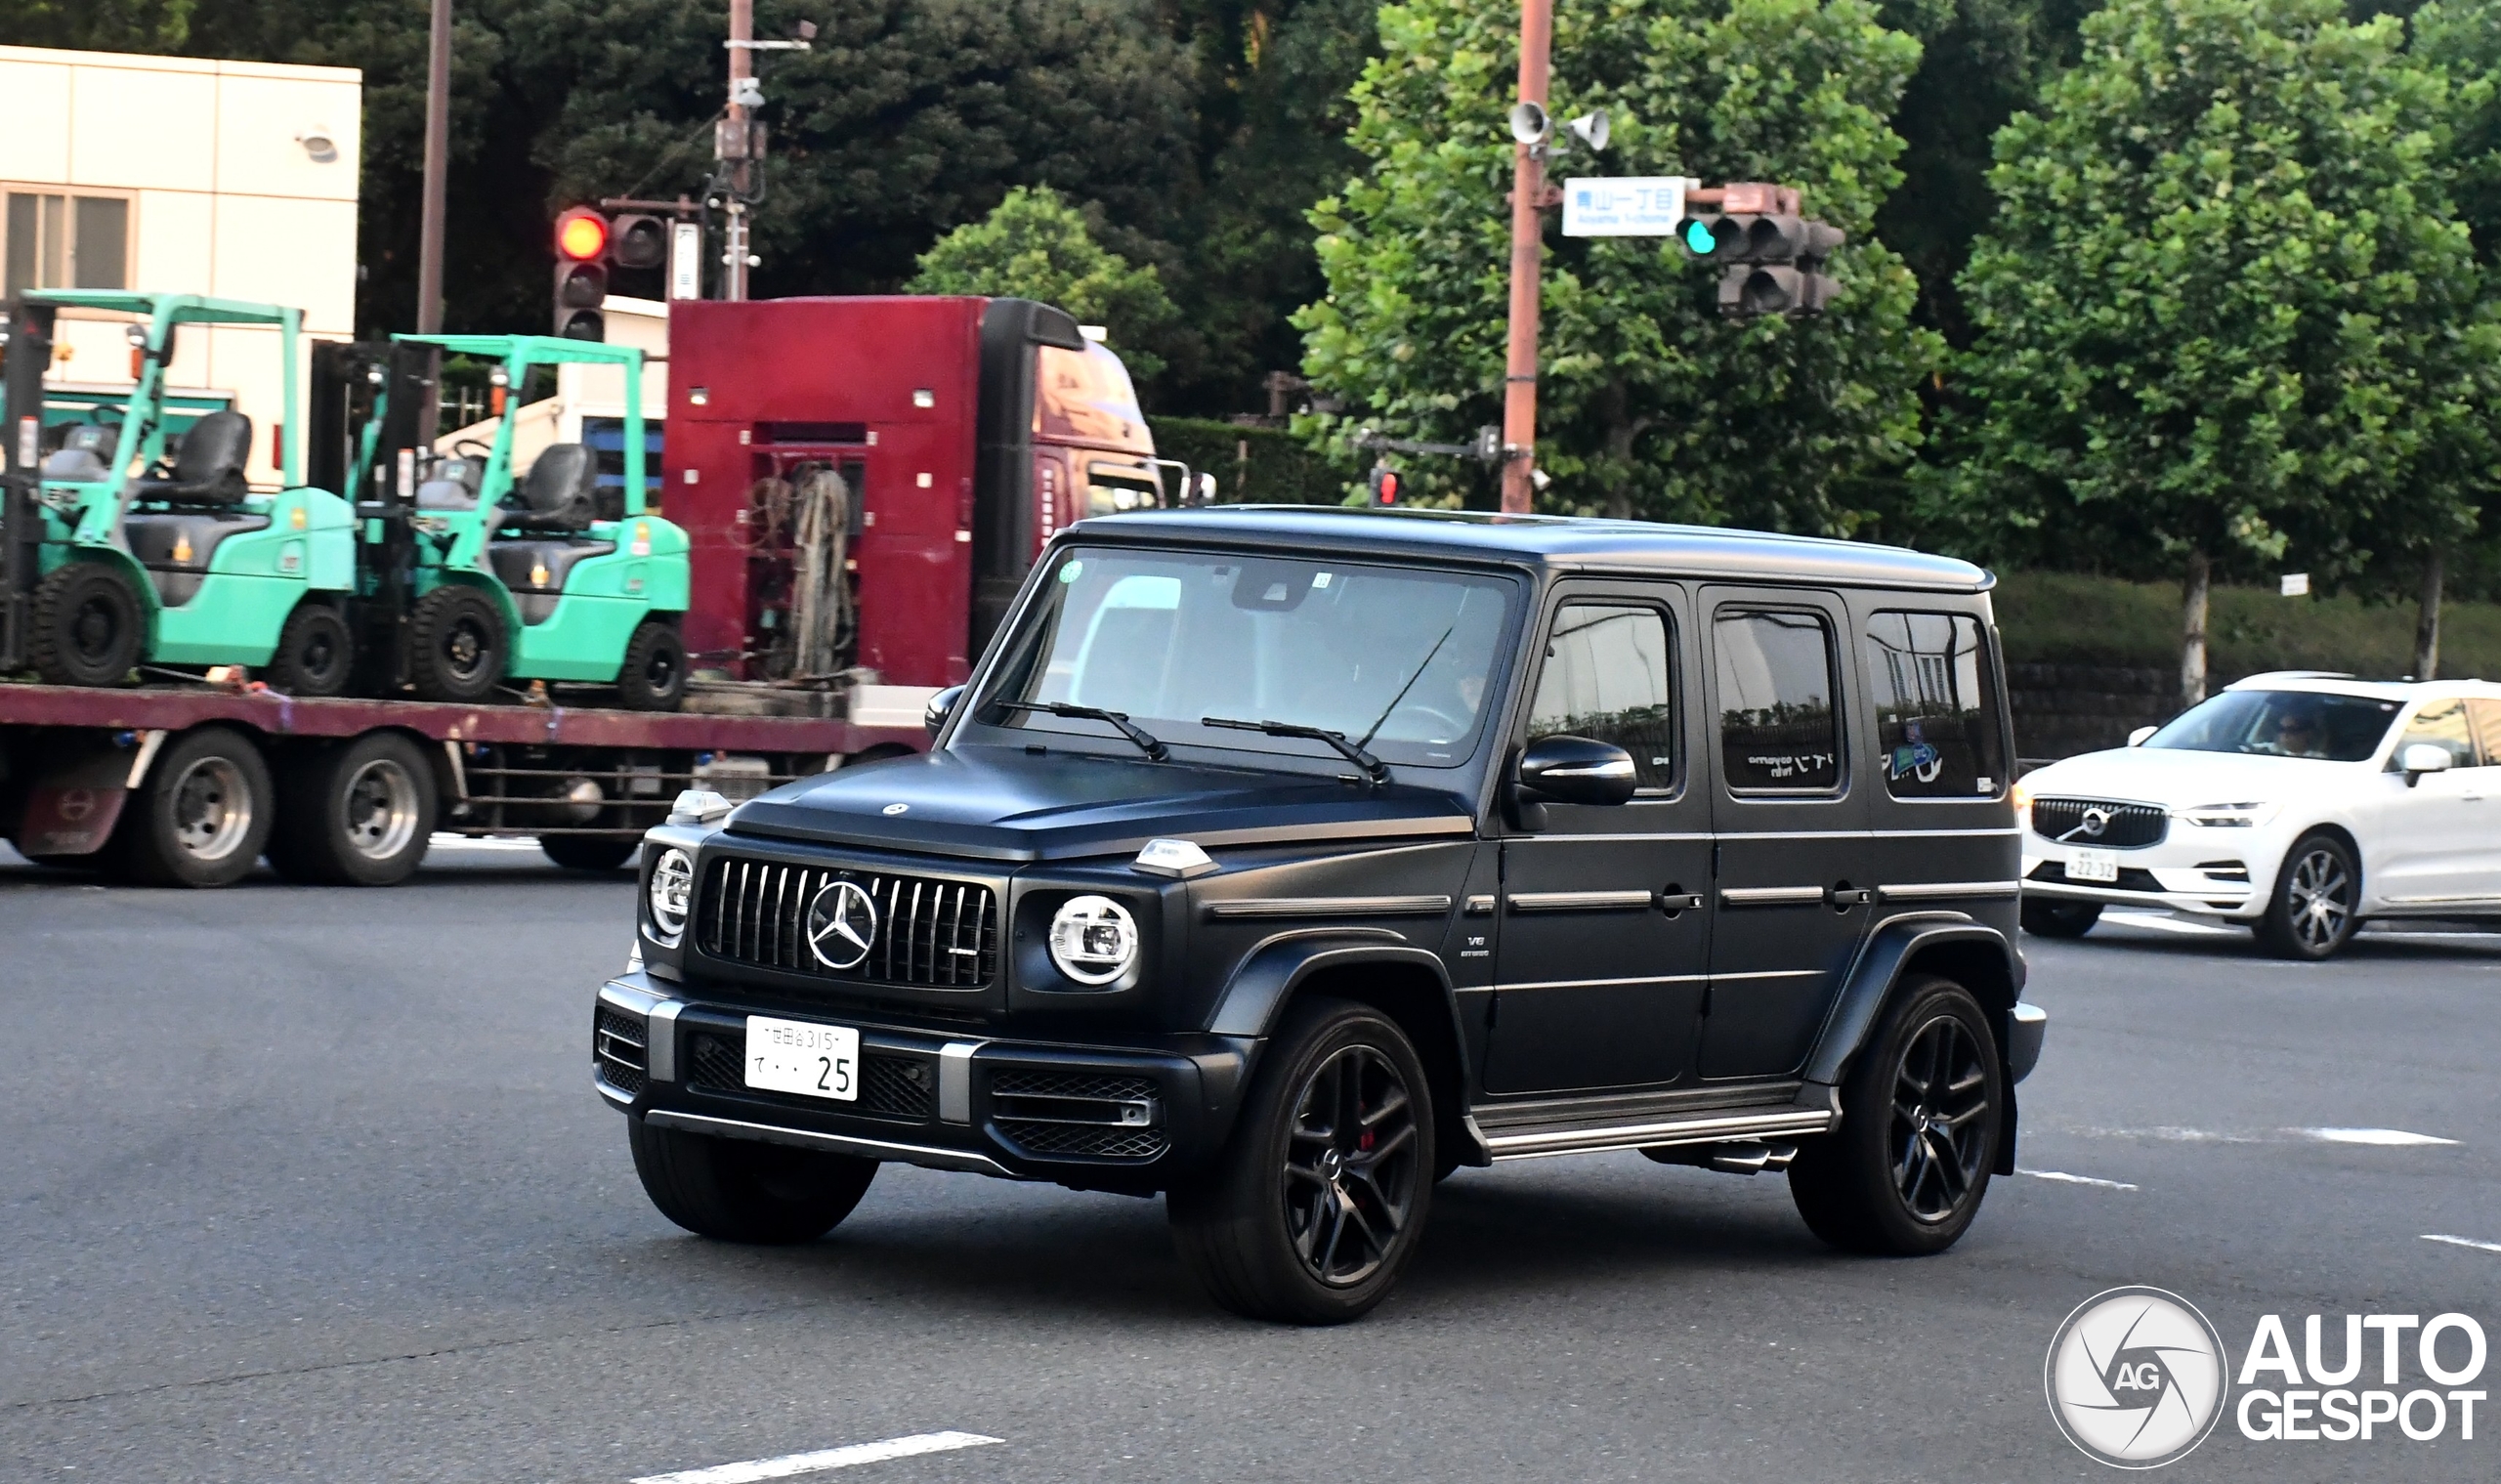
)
(1252, 466)
(2069, 618)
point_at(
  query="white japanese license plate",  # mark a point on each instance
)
(2094, 865)
(803, 1057)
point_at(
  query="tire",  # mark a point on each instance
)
(654, 675)
(1904, 1174)
(2050, 918)
(203, 815)
(456, 644)
(1300, 1222)
(88, 626)
(316, 652)
(732, 1190)
(590, 852)
(357, 814)
(2312, 915)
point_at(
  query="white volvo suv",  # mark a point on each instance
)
(2298, 803)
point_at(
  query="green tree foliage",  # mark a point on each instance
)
(2226, 310)
(1650, 405)
(1035, 246)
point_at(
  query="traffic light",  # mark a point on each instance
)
(1775, 261)
(1385, 485)
(582, 238)
(638, 243)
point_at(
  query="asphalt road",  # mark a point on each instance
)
(311, 1184)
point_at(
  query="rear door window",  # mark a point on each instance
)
(1937, 729)
(1778, 730)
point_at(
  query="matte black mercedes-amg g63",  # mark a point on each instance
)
(1283, 861)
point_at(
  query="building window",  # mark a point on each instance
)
(52, 240)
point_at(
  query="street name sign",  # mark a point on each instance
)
(1628, 206)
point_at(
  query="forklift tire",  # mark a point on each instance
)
(357, 814)
(316, 652)
(455, 645)
(88, 626)
(203, 815)
(654, 675)
(590, 852)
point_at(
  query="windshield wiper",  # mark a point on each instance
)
(1375, 770)
(1118, 721)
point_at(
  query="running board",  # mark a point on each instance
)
(1782, 1122)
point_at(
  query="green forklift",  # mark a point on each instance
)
(115, 553)
(485, 577)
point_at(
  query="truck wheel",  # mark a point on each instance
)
(455, 644)
(1319, 1200)
(316, 652)
(590, 852)
(732, 1190)
(2312, 913)
(201, 816)
(654, 676)
(355, 815)
(1919, 1115)
(2048, 917)
(88, 626)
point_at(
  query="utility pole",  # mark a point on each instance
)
(735, 148)
(438, 163)
(1527, 244)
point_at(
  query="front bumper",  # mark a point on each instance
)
(1131, 1116)
(2192, 871)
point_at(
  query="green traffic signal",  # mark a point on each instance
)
(1698, 238)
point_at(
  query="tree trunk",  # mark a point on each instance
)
(2427, 620)
(1620, 431)
(2193, 592)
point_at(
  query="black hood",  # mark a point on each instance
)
(1006, 804)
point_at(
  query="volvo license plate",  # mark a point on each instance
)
(2094, 865)
(803, 1057)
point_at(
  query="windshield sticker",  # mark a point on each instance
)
(1070, 570)
(1319, 581)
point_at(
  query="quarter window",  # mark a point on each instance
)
(2486, 715)
(1778, 731)
(1608, 677)
(2443, 725)
(1936, 713)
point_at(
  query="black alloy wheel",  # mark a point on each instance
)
(2312, 913)
(2053, 918)
(1319, 1200)
(1921, 1111)
(455, 644)
(88, 626)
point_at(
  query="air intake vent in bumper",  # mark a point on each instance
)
(1079, 1115)
(619, 1049)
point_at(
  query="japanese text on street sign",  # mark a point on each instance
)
(1632, 206)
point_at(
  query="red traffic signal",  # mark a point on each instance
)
(581, 235)
(1385, 485)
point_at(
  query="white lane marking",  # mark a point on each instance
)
(2481, 1246)
(790, 1464)
(2171, 1134)
(447, 842)
(2166, 924)
(2063, 1178)
(2385, 1138)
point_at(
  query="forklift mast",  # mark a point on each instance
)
(25, 354)
(369, 406)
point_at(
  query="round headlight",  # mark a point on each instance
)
(1093, 939)
(672, 888)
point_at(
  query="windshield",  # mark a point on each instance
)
(1397, 659)
(2340, 729)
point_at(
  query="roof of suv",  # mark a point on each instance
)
(2330, 682)
(1560, 542)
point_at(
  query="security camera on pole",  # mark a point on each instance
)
(738, 143)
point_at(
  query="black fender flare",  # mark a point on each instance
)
(1879, 967)
(1265, 979)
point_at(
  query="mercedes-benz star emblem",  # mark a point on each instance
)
(842, 922)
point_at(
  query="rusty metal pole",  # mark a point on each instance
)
(437, 166)
(734, 264)
(1528, 248)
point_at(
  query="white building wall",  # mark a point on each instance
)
(228, 200)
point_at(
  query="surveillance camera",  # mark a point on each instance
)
(1529, 123)
(1538, 477)
(1592, 128)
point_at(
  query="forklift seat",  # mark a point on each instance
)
(176, 546)
(536, 571)
(558, 493)
(85, 454)
(208, 471)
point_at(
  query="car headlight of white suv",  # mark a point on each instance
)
(2245, 816)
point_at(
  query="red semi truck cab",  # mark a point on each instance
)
(964, 432)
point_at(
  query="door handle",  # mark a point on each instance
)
(1673, 900)
(1843, 896)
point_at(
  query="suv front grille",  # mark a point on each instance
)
(2124, 827)
(925, 932)
(619, 1050)
(1089, 1115)
(890, 1086)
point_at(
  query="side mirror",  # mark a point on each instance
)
(941, 705)
(1574, 770)
(2418, 758)
(2136, 739)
